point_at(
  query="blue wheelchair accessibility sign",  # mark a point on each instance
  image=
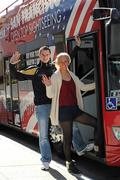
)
(111, 103)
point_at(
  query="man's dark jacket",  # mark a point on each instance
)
(35, 73)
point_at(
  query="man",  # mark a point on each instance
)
(41, 101)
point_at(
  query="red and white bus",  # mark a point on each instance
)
(35, 23)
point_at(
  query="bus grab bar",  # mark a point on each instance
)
(87, 74)
(85, 77)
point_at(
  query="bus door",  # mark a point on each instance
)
(12, 97)
(84, 66)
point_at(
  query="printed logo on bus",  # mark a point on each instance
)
(111, 103)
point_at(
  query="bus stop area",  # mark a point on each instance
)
(18, 162)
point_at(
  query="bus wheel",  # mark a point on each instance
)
(56, 138)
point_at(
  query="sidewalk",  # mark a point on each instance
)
(18, 162)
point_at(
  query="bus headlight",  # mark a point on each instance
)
(116, 132)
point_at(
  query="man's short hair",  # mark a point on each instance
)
(44, 48)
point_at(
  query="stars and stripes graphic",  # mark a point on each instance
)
(80, 20)
(72, 16)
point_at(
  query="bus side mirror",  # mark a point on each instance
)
(106, 13)
(101, 13)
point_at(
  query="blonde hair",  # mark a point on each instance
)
(62, 55)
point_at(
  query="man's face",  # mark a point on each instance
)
(45, 56)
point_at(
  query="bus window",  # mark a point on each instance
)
(18, 91)
(113, 74)
(1, 72)
(113, 40)
(59, 42)
(112, 66)
(15, 96)
(3, 114)
(85, 64)
(84, 60)
(32, 58)
(12, 96)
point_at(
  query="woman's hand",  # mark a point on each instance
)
(15, 58)
(46, 80)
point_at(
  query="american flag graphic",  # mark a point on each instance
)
(80, 20)
(76, 18)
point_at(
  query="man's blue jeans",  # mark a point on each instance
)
(78, 142)
(43, 114)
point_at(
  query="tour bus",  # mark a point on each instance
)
(55, 23)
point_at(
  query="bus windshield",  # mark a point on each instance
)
(112, 66)
(114, 36)
(113, 74)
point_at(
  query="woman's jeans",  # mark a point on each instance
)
(43, 114)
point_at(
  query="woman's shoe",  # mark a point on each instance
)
(72, 168)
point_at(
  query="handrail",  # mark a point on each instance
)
(87, 74)
(85, 77)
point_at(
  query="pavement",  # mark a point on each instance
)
(18, 162)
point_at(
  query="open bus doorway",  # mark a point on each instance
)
(85, 64)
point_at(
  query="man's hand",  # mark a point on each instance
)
(77, 40)
(15, 58)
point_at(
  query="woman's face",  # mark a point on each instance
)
(63, 63)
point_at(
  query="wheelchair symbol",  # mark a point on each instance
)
(111, 104)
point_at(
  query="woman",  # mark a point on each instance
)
(64, 89)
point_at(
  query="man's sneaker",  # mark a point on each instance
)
(72, 168)
(82, 152)
(45, 166)
(90, 147)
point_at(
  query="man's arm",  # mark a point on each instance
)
(76, 48)
(19, 75)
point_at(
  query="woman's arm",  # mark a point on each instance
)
(86, 87)
(80, 85)
(50, 85)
